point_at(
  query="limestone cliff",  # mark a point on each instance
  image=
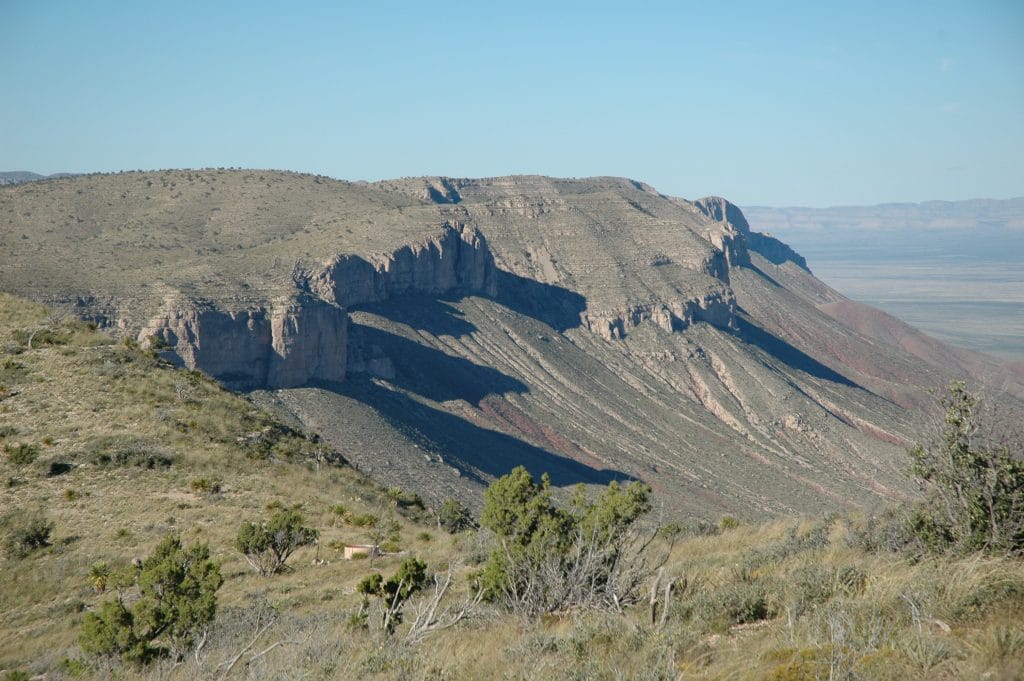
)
(456, 260)
(717, 308)
(303, 338)
(735, 236)
(282, 345)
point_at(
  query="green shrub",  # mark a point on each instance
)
(549, 558)
(176, 601)
(393, 592)
(733, 603)
(205, 485)
(727, 522)
(26, 532)
(120, 450)
(267, 546)
(21, 454)
(363, 520)
(974, 483)
(454, 517)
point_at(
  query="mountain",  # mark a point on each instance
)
(21, 177)
(438, 331)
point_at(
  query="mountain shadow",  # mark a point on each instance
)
(432, 314)
(786, 353)
(475, 451)
(425, 370)
(557, 307)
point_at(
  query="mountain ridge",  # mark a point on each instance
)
(593, 328)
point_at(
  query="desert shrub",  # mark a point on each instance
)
(888, 532)
(705, 528)
(120, 450)
(7, 431)
(974, 483)
(732, 603)
(205, 485)
(175, 602)
(12, 371)
(393, 592)
(21, 454)
(454, 517)
(728, 522)
(35, 338)
(363, 520)
(549, 558)
(268, 545)
(26, 532)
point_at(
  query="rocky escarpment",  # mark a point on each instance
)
(457, 260)
(735, 237)
(278, 346)
(303, 338)
(717, 308)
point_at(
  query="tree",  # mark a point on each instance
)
(267, 546)
(176, 600)
(453, 516)
(392, 593)
(549, 559)
(973, 482)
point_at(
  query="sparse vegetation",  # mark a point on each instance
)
(268, 545)
(840, 597)
(175, 602)
(974, 484)
(26, 531)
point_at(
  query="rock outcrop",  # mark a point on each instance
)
(286, 345)
(735, 237)
(303, 338)
(457, 260)
(717, 308)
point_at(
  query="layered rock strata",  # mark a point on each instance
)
(303, 338)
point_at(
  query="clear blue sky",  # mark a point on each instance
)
(777, 103)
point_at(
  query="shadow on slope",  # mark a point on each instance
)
(424, 313)
(557, 307)
(475, 451)
(427, 371)
(784, 352)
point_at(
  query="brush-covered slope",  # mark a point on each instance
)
(439, 332)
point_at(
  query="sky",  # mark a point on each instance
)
(781, 103)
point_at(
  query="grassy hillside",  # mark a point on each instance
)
(116, 450)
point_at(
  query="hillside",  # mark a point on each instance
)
(438, 332)
(128, 449)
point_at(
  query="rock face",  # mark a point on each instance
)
(457, 260)
(303, 338)
(735, 237)
(288, 345)
(717, 308)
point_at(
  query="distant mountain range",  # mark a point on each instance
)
(23, 176)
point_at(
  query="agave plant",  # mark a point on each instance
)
(99, 573)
